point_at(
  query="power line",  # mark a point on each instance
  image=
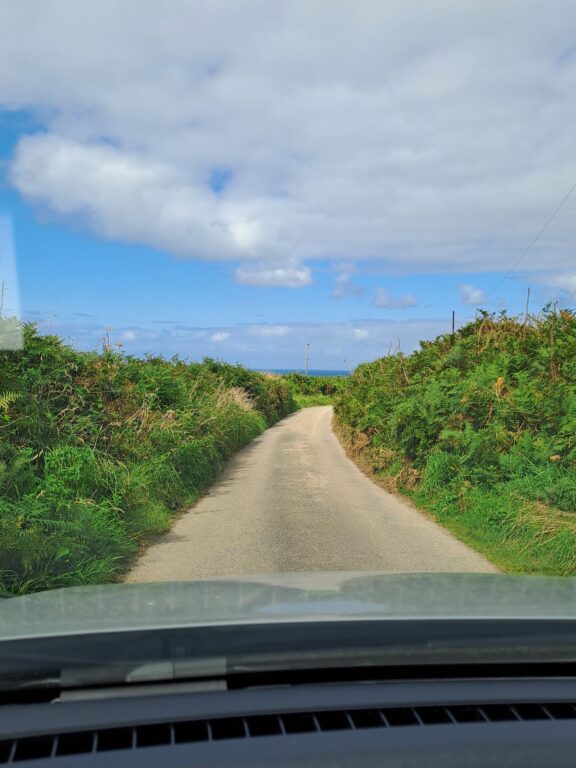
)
(535, 240)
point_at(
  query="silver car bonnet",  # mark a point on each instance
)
(277, 598)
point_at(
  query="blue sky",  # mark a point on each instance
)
(198, 204)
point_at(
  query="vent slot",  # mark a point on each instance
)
(264, 725)
(366, 718)
(299, 722)
(257, 726)
(34, 748)
(153, 735)
(114, 739)
(228, 728)
(434, 715)
(561, 711)
(400, 716)
(79, 743)
(193, 730)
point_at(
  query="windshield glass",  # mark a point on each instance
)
(287, 288)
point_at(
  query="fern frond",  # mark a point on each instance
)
(6, 400)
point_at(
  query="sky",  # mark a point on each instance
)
(241, 178)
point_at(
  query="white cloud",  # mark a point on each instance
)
(471, 295)
(291, 276)
(126, 196)
(271, 330)
(565, 283)
(343, 284)
(384, 300)
(332, 345)
(128, 335)
(342, 135)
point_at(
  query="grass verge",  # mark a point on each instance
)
(308, 401)
(517, 535)
(478, 428)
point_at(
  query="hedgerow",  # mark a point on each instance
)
(313, 390)
(99, 450)
(480, 429)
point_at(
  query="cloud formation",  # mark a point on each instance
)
(220, 336)
(427, 135)
(343, 283)
(564, 282)
(271, 330)
(332, 345)
(470, 295)
(384, 300)
(290, 276)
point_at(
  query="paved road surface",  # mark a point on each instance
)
(293, 501)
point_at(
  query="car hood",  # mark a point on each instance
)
(296, 597)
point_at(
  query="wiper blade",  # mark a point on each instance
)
(116, 674)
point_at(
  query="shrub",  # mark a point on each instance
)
(489, 417)
(98, 450)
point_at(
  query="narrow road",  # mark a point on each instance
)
(293, 501)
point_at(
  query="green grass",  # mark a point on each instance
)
(479, 430)
(98, 451)
(516, 535)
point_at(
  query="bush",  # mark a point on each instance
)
(487, 418)
(98, 450)
(313, 385)
(308, 391)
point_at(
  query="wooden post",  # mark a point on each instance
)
(526, 312)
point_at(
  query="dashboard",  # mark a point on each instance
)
(433, 722)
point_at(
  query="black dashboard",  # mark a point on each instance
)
(432, 722)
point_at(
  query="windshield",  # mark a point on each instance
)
(286, 288)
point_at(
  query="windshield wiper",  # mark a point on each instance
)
(239, 652)
(64, 678)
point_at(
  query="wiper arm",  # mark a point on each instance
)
(118, 674)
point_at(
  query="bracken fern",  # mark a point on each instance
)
(97, 451)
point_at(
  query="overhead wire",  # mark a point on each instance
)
(535, 240)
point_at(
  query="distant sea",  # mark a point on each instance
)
(311, 372)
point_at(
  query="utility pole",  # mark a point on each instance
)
(2, 287)
(526, 312)
(307, 349)
(453, 323)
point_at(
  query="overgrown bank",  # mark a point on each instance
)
(98, 451)
(480, 430)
